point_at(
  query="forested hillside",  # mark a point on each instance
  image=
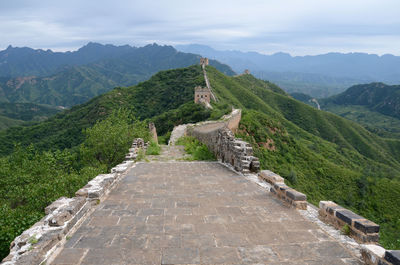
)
(321, 154)
(67, 79)
(375, 105)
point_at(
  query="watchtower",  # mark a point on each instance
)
(247, 72)
(204, 61)
(201, 94)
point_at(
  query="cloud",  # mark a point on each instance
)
(294, 26)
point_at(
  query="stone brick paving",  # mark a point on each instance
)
(197, 213)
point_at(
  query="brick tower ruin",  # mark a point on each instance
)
(203, 61)
(201, 94)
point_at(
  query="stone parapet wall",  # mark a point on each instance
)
(288, 195)
(377, 255)
(37, 244)
(218, 137)
(361, 229)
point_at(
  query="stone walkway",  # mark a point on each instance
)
(196, 213)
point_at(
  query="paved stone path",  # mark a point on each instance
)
(196, 213)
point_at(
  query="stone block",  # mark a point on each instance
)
(280, 186)
(366, 226)
(347, 216)
(393, 256)
(295, 195)
(302, 205)
(325, 204)
(366, 238)
(371, 254)
(271, 177)
(332, 209)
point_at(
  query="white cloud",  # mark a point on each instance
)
(295, 26)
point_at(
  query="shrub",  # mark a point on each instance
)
(153, 149)
(197, 150)
(108, 140)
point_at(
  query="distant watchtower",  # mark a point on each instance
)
(247, 72)
(203, 61)
(201, 94)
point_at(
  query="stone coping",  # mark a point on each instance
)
(288, 195)
(377, 255)
(361, 229)
(36, 244)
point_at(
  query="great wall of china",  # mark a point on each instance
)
(177, 212)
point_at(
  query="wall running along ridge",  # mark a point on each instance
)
(220, 139)
(40, 242)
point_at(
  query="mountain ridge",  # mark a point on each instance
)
(308, 73)
(320, 154)
(77, 84)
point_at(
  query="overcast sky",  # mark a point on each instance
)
(298, 27)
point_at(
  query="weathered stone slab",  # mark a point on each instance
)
(393, 256)
(270, 176)
(280, 186)
(295, 195)
(347, 216)
(332, 209)
(366, 226)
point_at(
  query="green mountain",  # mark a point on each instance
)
(77, 83)
(321, 154)
(375, 105)
(320, 75)
(378, 97)
(165, 91)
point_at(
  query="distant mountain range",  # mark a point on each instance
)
(319, 76)
(70, 78)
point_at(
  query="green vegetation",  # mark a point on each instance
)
(14, 114)
(154, 99)
(153, 149)
(31, 179)
(197, 150)
(346, 230)
(95, 71)
(377, 97)
(323, 155)
(380, 124)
